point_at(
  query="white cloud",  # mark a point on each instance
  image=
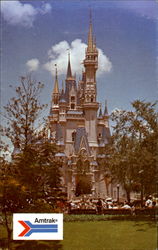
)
(46, 8)
(32, 64)
(18, 13)
(58, 54)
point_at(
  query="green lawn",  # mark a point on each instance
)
(96, 235)
(110, 235)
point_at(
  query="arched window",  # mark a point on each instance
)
(99, 135)
(92, 98)
(72, 98)
(73, 135)
(72, 106)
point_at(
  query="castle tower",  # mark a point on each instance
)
(79, 133)
(90, 105)
(54, 110)
(91, 60)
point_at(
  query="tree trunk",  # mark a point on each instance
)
(9, 230)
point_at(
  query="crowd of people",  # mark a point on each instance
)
(101, 204)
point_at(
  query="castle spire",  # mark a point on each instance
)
(69, 73)
(106, 109)
(62, 86)
(90, 35)
(100, 112)
(56, 86)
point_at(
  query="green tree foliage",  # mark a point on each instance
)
(33, 176)
(22, 112)
(39, 171)
(28, 182)
(12, 196)
(133, 157)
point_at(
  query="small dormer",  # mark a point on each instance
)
(73, 98)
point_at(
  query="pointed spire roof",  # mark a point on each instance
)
(56, 86)
(100, 112)
(106, 109)
(62, 85)
(90, 35)
(69, 72)
(62, 90)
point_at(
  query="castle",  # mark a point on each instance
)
(80, 129)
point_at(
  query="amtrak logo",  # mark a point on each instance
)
(32, 227)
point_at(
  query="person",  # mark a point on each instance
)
(126, 206)
(115, 206)
(149, 202)
(99, 206)
(133, 210)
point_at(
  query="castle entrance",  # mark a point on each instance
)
(83, 178)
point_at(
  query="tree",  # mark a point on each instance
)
(33, 175)
(146, 124)
(27, 183)
(22, 112)
(133, 150)
(12, 196)
(39, 171)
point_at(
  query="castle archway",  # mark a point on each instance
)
(83, 178)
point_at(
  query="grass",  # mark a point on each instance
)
(105, 217)
(98, 232)
(110, 235)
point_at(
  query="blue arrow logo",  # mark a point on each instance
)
(32, 228)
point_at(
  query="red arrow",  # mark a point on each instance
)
(27, 228)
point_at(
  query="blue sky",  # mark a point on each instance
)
(36, 34)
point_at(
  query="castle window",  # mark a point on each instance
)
(92, 98)
(55, 101)
(73, 136)
(72, 106)
(72, 98)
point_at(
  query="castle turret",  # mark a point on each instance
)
(62, 105)
(54, 110)
(91, 60)
(90, 104)
(70, 82)
(106, 115)
(55, 95)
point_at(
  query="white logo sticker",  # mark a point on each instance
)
(37, 226)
